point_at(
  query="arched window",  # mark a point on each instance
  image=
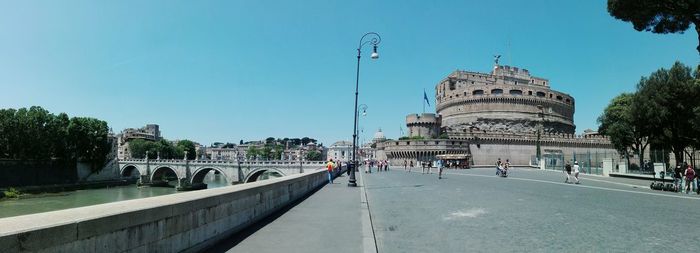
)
(516, 92)
(496, 91)
(478, 92)
(559, 98)
(540, 94)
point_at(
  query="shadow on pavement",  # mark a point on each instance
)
(230, 242)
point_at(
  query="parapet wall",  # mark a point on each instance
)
(188, 222)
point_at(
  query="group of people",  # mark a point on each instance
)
(685, 178)
(502, 167)
(568, 171)
(382, 165)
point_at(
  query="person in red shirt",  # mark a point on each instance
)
(329, 167)
(689, 179)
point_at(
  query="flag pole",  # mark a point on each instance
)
(423, 100)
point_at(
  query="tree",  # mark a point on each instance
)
(658, 16)
(314, 155)
(668, 104)
(625, 126)
(188, 145)
(252, 152)
(87, 139)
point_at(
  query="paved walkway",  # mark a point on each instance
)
(330, 220)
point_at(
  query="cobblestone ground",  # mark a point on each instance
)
(530, 211)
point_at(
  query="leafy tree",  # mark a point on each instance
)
(658, 16)
(252, 152)
(314, 155)
(668, 104)
(622, 121)
(240, 143)
(229, 145)
(270, 140)
(266, 152)
(88, 140)
(187, 145)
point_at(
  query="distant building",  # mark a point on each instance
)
(340, 150)
(150, 132)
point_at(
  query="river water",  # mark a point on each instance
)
(37, 203)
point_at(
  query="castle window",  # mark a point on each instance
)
(568, 101)
(516, 92)
(559, 98)
(472, 82)
(478, 92)
(465, 93)
(452, 85)
(529, 93)
(540, 94)
(496, 91)
(550, 95)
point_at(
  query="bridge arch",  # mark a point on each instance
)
(199, 174)
(164, 172)
(129, 170)
(255, 174)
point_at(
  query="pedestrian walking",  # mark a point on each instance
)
(422, 165)
(689, 179)
(498, 167)
(411, 167)
(439, 165)
(678, 178)
(405, 165)
(567, 171)
(329, 167)
(576, 171)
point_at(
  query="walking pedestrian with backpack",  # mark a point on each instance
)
(329, 167)
(689, 179)
(567, 171)
(576, 171)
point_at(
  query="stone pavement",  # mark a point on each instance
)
(530, 211)
(475, 211)
(330, 220)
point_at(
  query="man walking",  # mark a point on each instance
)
(678, 178)
(689, 178)
(567, 171)
(576, 171)
(329, 167)
(439, 167)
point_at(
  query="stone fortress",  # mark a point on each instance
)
(503, 114)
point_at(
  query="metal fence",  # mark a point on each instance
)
(589, 162)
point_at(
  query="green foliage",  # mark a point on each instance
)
(443, 136)
(36, 134)
(12, 193)
(314, 155)
(252, 152)
(663, 111)
(412, 138)
(658, 16)
(164, 148)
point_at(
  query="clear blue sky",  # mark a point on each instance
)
(230, 70)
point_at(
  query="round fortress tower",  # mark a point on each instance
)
(425, 125)
(507, 100)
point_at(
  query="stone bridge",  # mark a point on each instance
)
(190, 173)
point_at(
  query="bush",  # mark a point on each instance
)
(12, 193)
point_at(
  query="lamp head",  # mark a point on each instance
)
(374, 55)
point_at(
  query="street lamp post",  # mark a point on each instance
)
(362, 112)
(373, 39)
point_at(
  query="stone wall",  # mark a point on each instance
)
(15, 173)
(189, 221)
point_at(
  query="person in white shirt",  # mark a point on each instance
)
(576, 171)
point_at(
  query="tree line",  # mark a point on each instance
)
(663, 113)
(37, 134)
(164, 149)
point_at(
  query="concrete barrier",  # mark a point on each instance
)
(189, 221)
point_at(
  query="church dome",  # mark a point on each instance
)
(379, 136)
